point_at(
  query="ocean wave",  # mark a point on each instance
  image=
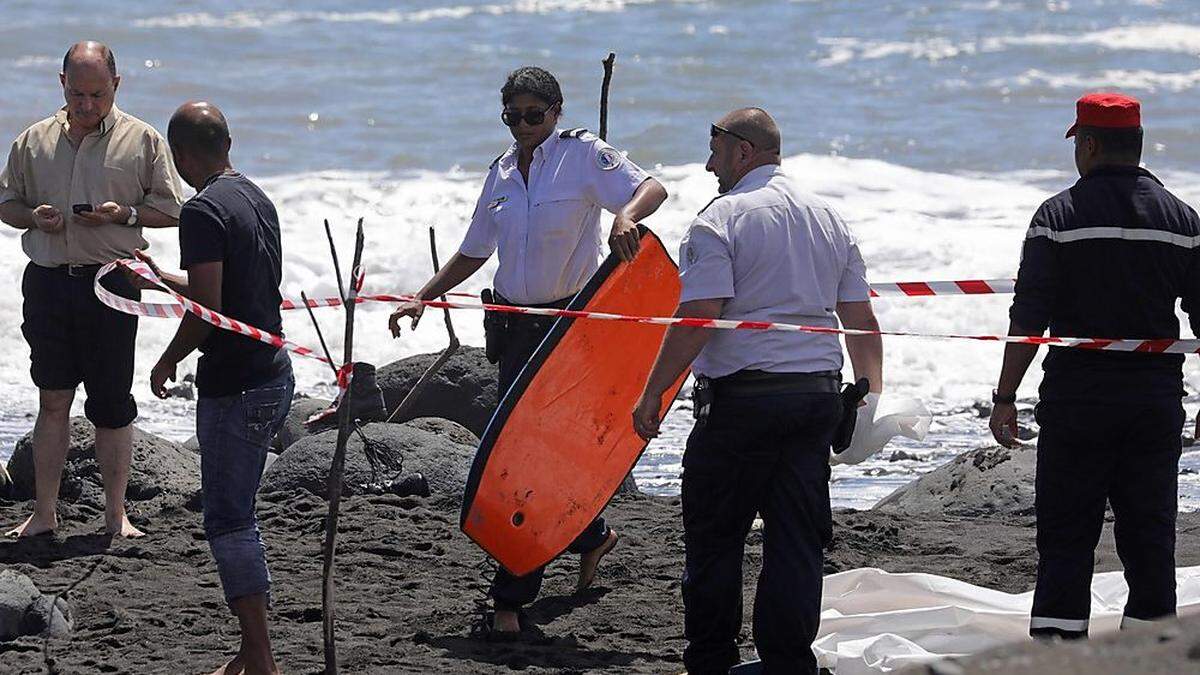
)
(1156, 37)
(1143, 80)
(266, 19)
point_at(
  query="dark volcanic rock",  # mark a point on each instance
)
(294, 429)
(464, 390)
(25, 611)
(443, 427)
(987, 480)
(402, 449)
(1167, 648)
(160, 468)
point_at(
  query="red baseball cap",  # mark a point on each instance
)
(1107, 111)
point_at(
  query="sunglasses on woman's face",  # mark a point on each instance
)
(532, 117)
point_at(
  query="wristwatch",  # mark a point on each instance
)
(998, 399)
(132, 217)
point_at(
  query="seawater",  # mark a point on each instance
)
(934, 127)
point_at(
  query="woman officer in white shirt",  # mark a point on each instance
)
(540, 209)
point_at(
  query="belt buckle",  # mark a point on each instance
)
(76, 270)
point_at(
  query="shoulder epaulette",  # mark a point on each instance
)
(710, 203)
(581, 134)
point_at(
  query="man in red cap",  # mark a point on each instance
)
(1106, 258)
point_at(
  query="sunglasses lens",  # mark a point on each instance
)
(510, 118)
(713, 131)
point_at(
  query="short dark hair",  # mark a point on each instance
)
(1123, 144)
(534, 81)
(109, 59)
(202, 135)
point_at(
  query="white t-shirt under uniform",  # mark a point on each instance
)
(777, 254)
(548, 233)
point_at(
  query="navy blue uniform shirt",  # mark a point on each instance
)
(1108, 258)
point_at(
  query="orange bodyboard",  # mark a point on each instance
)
(562, 439)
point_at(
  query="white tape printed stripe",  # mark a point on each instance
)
(1125, 233)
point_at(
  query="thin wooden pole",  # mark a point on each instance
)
(608, 71)
(337, 467)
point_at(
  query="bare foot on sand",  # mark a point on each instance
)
(589, 562)
(33, 526)
(123, 528)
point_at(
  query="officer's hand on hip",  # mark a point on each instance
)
(645, 416)
(47, 219)
(411, 308)
(162, 371)
(1004, 424)
(624, 239)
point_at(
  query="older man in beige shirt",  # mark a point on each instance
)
(82, 184)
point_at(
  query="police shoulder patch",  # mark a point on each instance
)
(608, 159)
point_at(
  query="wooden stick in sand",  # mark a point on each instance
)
(338, 465)
(608, 71)
(413, 394)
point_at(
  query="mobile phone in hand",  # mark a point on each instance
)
(80, 208)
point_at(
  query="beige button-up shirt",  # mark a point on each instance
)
(124, 161)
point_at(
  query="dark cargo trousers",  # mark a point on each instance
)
(1087, 454)
(754, 455)
(520, 341)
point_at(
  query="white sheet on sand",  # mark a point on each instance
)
(877, 622)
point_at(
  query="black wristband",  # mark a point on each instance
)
(998, 399)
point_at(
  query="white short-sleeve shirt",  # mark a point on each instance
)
(548, 233)
(779, 254)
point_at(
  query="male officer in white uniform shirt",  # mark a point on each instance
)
(762, 251)
(540, 208)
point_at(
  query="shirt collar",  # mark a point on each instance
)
(757, 177)
(509, 158)
(106, 124)
(1121, 170)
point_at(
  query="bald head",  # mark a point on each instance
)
(199, 129)
(91, 55)
(756, 126)
(199, 138)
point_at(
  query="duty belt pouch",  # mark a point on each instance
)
(495, 329)
(852, 395)
(702, 399)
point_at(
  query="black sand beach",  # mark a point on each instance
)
(409, 585)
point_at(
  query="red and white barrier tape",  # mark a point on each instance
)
(911, 289)
(1167, 345)
(926, 288)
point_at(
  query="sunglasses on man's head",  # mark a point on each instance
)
(532, 117)
(717, 129)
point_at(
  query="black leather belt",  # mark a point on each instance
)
(762, 383)
(88, 270)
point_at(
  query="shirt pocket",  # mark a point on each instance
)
(560, 216)
(120, 182)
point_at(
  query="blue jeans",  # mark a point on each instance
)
(235, 433)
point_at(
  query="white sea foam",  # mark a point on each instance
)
(265, 19)
(1145, 80)
(1150, 37)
